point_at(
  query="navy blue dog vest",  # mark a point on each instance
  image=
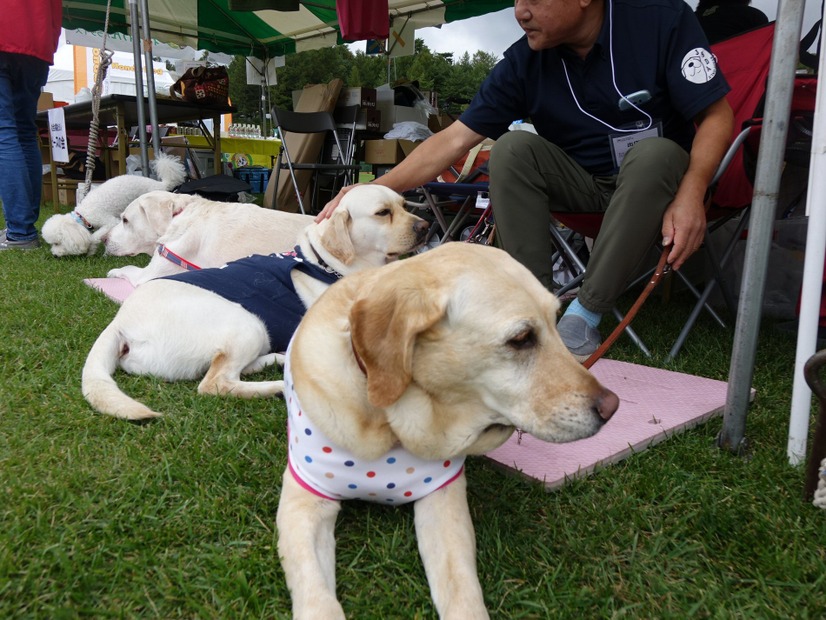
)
(262, 285)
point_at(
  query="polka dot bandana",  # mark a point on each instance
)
(332, 472)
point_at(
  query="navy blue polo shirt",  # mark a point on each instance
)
(658, 46)
(263, 286)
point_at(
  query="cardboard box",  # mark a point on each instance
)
(45, 101)
(392, 113)
(360, 96)
(369, 119)
(438, 122)
(387, 151)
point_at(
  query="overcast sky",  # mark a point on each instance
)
(495, 32)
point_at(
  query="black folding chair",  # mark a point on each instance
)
(323, 162)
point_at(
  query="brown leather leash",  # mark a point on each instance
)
(662, 268)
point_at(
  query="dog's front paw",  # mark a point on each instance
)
(322, 606)
(129, 272)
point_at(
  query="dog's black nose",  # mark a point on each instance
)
(420, 228)
(606, 404)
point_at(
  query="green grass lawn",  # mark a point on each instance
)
(175, 519)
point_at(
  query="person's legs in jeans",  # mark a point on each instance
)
(21, 78)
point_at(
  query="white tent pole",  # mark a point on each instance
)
(812, 282)
(761, 222)
(136, 53)
(150, 79)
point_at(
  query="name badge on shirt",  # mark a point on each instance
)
(621, 143)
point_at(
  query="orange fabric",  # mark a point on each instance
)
(463, 172)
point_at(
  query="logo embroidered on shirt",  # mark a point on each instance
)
(699, 66)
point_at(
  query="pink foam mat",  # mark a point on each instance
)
(654, 405)
(116, 289)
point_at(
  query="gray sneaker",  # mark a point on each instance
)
(580, 338)
(8, 244)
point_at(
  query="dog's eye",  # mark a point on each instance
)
(124, 220)
(525, 339)
(383, 213)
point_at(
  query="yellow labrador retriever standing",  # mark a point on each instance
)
(392, 378)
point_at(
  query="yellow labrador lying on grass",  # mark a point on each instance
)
(178, 328)
(393, 376)
(183, 231)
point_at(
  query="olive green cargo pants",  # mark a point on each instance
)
(531, 177)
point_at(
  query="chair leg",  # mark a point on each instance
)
(632, 334)
(717, 278)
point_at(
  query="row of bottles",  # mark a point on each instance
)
(243, 130)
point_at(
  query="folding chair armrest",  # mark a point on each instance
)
(731, 152)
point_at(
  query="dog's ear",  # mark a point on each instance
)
(384, 326)
(336, 237)
(158, 214)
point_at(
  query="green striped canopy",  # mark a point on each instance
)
(211, 25)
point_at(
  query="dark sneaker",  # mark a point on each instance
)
(8, 244)
(581, 339)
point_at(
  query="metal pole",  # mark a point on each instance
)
(150, 81)
(812, 283)
(136, 52)
(764, 203)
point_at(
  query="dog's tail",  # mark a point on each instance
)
(169, 170)
(98, 384)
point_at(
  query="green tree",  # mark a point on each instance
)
(245, 98)
(455, 81)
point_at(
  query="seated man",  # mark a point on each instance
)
(632, 122)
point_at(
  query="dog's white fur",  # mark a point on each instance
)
(175, 330)
(103, 206)
(204, 232)
(458, 347)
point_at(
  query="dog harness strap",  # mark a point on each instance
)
(77, 217)
(321, 262)
(332, 472)
(174, 258)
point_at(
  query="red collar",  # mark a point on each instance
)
(174, 258)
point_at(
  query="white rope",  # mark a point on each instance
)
(103, 67)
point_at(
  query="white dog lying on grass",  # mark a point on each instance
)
(179, 328)
(183, 232)
(80, 232)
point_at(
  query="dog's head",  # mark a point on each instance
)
(143, 222)
(369, 228)
(67, 237)
(458, 347)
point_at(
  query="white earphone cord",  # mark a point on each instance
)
(613, 81)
